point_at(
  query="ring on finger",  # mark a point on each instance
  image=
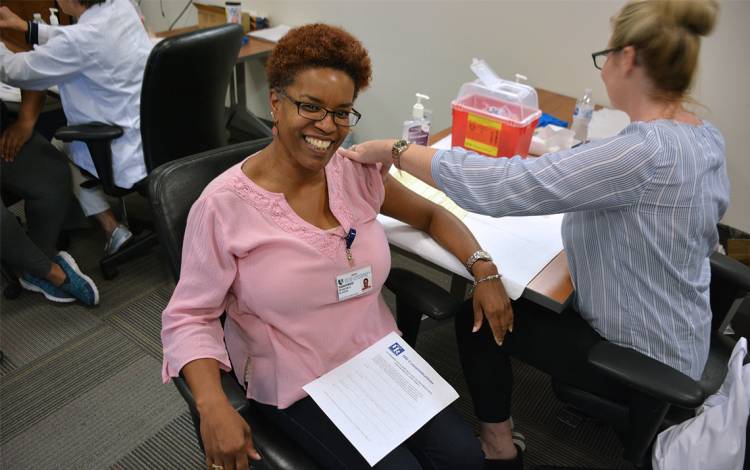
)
(217, 467)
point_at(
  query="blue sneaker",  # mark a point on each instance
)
(77, 284)
(46, 288)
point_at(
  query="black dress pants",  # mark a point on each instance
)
(446, 442)
(41, 176)
(555, 343)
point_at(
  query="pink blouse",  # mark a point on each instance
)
(247, 252)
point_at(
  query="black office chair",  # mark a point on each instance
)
(660, 395)
(182, 113)
(173, 188)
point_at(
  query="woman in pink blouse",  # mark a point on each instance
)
(271, 241)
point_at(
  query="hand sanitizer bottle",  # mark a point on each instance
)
(37, 18)
(417, 129)
(53, 17)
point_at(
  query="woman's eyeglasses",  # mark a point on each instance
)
(316, 112)
(600, 58)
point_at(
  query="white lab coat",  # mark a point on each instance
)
(98, 65)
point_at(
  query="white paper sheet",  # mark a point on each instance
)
(381, 396)
(270, 34)
(520, 246)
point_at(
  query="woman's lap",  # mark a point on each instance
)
(445, 442)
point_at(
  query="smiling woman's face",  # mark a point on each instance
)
(312, 143)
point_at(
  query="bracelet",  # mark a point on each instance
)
(476, 256)
(491, 277)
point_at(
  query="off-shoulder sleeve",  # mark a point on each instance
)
(191, 328)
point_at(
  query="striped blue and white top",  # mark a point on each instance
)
(641, 210)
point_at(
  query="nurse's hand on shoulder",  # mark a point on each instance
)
(9, 20)
(372, 151)
(227, 438)
(492, 302)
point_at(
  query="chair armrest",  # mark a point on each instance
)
(728, 268)
(422, 295)
(89, 132)
(646, 375)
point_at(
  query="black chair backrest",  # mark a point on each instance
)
(174, 187)
(184, 89)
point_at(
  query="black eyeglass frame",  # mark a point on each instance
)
(357, 115)
(605, 53)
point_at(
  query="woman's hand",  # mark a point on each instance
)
(491, 301)
(14, 138)
(372, 151)
(9, 20)
(227, 438)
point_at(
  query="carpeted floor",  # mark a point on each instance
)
(81, 388)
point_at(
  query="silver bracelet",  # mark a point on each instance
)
(476, 256)
(491, 277)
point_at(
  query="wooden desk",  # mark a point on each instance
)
(552, 287)
(254, 49)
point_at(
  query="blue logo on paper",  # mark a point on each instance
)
(396, 349)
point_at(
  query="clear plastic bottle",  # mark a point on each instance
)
(582, 116)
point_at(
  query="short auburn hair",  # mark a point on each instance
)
(318, 45)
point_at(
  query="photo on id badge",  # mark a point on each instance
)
(354, 283)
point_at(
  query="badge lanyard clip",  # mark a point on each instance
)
(349, 241)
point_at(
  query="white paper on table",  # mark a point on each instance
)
(271, 34)
(443, 144)
(381, 396)
(520, 246)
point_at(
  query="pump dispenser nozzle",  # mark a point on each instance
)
(53, 20)
(417, 111)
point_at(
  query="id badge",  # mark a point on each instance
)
(354, 283)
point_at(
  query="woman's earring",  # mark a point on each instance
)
(274, 130)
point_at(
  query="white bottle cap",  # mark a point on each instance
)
(417, 111)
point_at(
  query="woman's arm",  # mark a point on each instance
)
(227, 438)
(490, 299)
(18, 133)
(51, 64)
(606, 174)
(193, 338)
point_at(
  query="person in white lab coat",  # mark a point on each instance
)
(98, 65)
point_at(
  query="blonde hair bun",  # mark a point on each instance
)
(697, 16)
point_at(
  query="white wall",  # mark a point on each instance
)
(427, 46)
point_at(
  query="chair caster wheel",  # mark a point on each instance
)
(12, 291)
(109, 273)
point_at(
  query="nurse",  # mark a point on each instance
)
(98, 64)
(641, 210)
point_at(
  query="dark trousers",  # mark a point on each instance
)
(446, 442)
(41, 176)
(555, 343)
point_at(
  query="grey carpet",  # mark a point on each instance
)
(81, 388)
